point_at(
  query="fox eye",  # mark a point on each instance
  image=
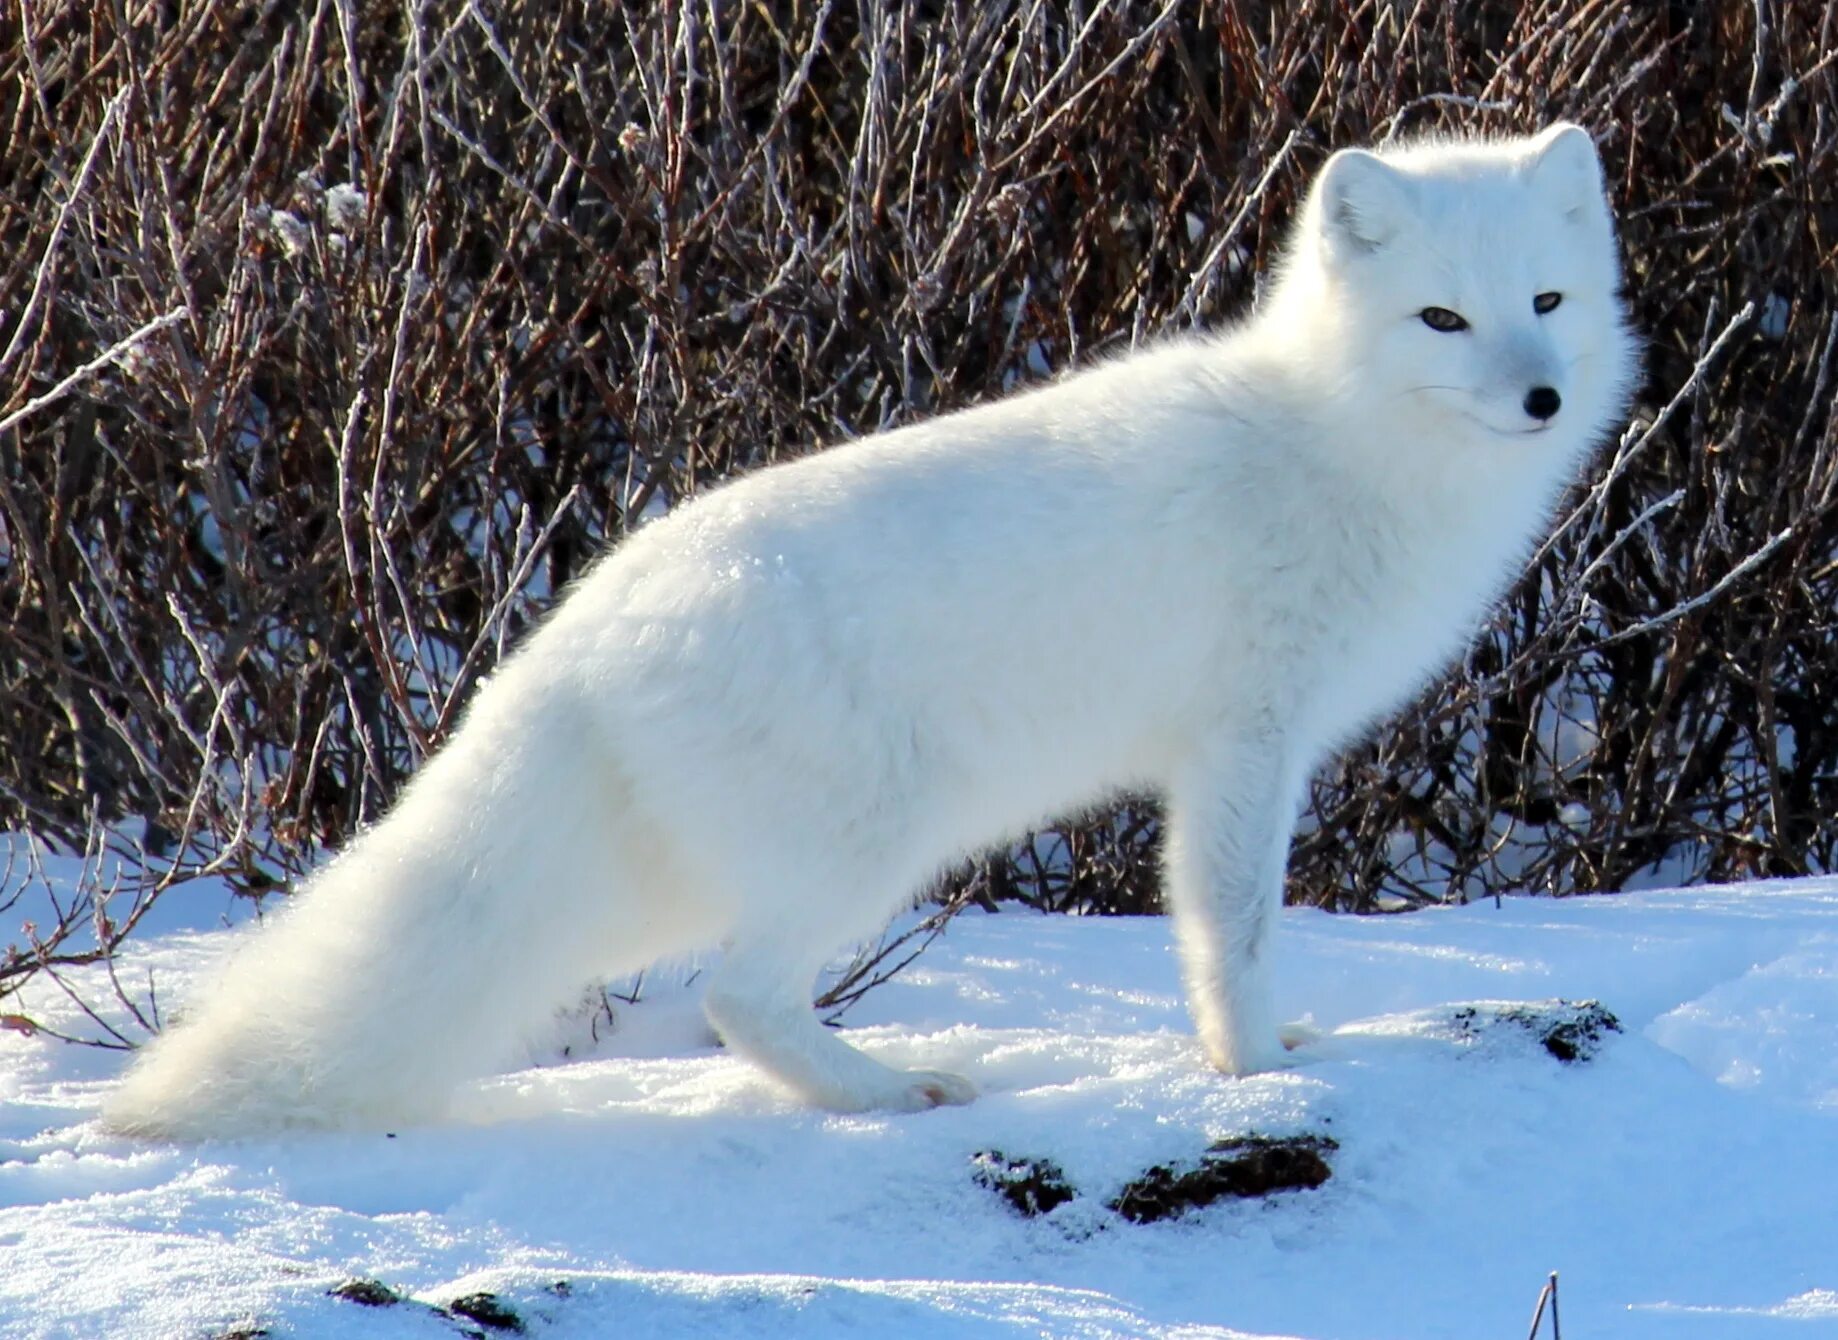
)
(1546, 302)
(1442, 319)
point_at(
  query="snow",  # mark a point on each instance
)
(1683, 1181)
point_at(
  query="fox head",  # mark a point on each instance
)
(1470, 286)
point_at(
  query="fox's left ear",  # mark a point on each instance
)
(1562, 164)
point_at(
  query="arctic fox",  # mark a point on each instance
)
(771, 717)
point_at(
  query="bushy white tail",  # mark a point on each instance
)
(418, 957)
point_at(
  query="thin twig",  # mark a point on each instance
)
(107, 358)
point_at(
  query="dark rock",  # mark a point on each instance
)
(1031, 1186)
(370, 1293)
(485, 1309)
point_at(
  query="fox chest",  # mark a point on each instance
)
(1394, 617)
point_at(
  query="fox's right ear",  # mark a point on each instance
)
(1364, 202)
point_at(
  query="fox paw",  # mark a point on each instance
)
(1299, 1033)
(927, 1089)
(1275, 1051)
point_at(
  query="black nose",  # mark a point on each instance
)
(1543, 402)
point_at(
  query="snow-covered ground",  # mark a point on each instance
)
(1683, 1180)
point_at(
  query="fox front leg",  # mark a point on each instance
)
(1229, 823)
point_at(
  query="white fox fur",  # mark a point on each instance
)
(771, 717)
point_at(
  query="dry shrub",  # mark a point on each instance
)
(336, 338)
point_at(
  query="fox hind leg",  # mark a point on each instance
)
(759, 1001)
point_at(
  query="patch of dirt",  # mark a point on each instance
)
(1570, 1030)
(1251, 1165)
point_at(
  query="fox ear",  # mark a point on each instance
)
(1563, 166)
(1364, 202)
